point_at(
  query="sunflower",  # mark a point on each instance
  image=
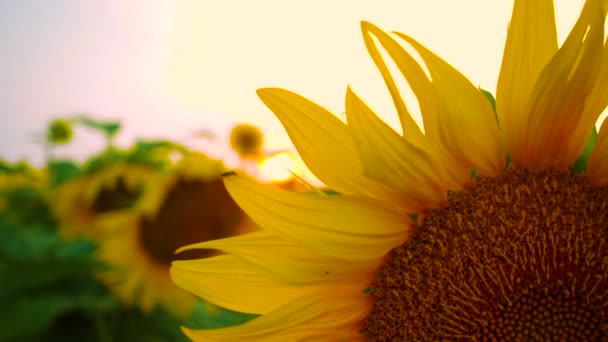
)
(20, 180)
(81, 201)
(191, 204)
(478, 228)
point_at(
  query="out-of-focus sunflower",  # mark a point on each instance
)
(476, 229)
(191, 204)
(10, 182)
(81, 201)
(246, 140)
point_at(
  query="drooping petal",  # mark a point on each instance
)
(558, 98)
(467, 126)
(329, 316)
(454, 174)
(226, 281)
(389, 158)
(287, 262)
(324, 143)
(597, 166)
(352, 228)
(531, 43)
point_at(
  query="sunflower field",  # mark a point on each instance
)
(85, 247)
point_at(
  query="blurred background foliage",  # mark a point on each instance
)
(49, 286)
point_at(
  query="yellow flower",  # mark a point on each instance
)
(13, 181)
(415, 248)
(81, 201)
(246, 140)
(190, 204)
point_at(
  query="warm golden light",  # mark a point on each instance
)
(278, 167)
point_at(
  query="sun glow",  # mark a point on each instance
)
(279, 167)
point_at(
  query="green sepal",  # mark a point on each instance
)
(580, 164)
(490, 98)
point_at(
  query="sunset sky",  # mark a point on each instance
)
(167, 69)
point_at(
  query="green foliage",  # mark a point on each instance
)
(49, 289)
(201, 319)
(108, 128)
(20, 168)
(155, 154)
(61, 171)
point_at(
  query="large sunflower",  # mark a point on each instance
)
(477, 229)
(188, 204)
(81, 201)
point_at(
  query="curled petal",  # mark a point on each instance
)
(454, 173)
(557, 101)
(324, 143)
(346, 227)
(287, 262)
(531, 43)
(466, 123)
(389, 158)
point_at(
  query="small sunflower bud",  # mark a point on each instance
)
(246, 140)
(59, 132)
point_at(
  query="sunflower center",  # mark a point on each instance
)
(193, 211)
(519, 257)
(115, 198)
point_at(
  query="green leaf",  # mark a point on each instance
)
(203, 319)
(109, 157)
(29, 316)
(580, 164)
(27, 205)
(61, 171)
(21, 167)
(108, 128)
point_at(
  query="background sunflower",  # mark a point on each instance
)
(190, 205)
(85, 247)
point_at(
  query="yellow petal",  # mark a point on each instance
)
(531, 43)
(389, 158)
(229, 282)
(324, 143)
(286, 262)
(555, 108)
(346, 227)
(411, 131)
(597, 165)
(456, 176)
(598, 99)
(329, 316)
(467, 125)
(595, 104)
(236, 284)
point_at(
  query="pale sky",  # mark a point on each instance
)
(167, 69)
